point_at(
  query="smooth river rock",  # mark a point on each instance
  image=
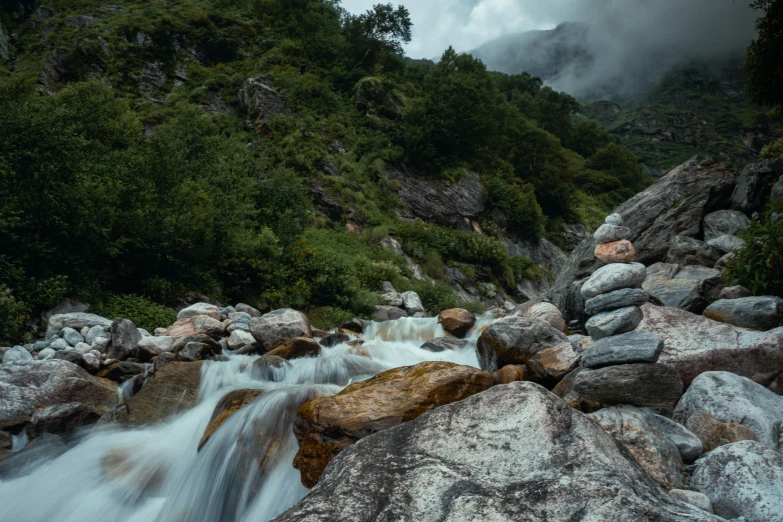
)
(724, 222)
(616, 252)
(650, 385)
(614, 277)
(276, 327)
(457, 321)
(627, 348)
(616, 299)
(514, 340)
(611, 233)
(755, 313)
(615, 322)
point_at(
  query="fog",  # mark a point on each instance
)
(624, 43)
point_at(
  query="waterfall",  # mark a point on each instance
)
(244, 471)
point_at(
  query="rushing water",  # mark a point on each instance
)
(243, 473)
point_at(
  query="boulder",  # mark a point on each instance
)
(744, 479)
(713, 433)
(687, 442)
(440, 344)
(412, 302)
(270, 368)
(326, 426)
(247, 309)
(457, 321)
(632, 347)
(548, 366)
(194, 351)
(71, 336)
(685, 250)
(354, 325)
(615, 322)
(616, 299)
(730, 398)
(60, 344)
(642, 384)
(274, 328)
(171, 389)
(75, 320)
(611, 233)
(62, 419)
(694, 498)
(724, 222)
(391, 299)
(636, 429)
(297, 347)
(544, 311)
(514, 452)
(25, 388)
(755, 313)
(734, 292)
(259, 99)
(616, 252)
(239, 339)
(121, 371)
(17, 355)
(199, 309)
(388, 313)
(753, 185)
(332, 340)
(190, 326)
(510, 373)
(614, 277)
(152, 346)
(228, 405)
(689, 288)
(124, 338)
(777, 190)
(66, 306)
(514, 340)
(694, 344)
(674, 206)
(726, 243)
(565, 390)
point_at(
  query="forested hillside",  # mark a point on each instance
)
(252, 150)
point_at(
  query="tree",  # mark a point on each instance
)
(764, 61)
(378, 33)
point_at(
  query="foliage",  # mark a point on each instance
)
(764, 61)
(139, 309)
(758, 265)
(437, 296)
(772, 151)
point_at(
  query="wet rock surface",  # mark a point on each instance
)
(514, 340)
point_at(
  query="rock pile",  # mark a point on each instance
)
(620, 366)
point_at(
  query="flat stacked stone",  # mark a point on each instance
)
(620, 366)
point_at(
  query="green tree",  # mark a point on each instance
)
(764, 61)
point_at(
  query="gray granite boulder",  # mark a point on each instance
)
(686, 250)
(694, 498)
(16, 355)
(274, 328)
(753, 185)
(610, 233)
(615, 322)
(724, 222)
(726, 243)
(124, 338)
(734, 292)
(514, 340)
(76, 320)
(650, 385)
(755, 313)
(614, 277)
(199, 309)
(626, 348)
(689, 288)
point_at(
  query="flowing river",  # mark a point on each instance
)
(243, 473)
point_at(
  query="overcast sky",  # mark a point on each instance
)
(466, 24)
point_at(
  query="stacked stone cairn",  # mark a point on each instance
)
(620, 366)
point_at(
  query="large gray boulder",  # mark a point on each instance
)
(274, 328)
(16, 355)
(124, 338)
(674, 206)
(514, 452)
(734, 399)
(694, 344)
(755, 313)
(616, 299)
(753, 186)
(614, 277)
(686, 250)
(744, 479)
(77, 321)
(514, 340)
(649, 385)
(627, 348)
(722, 223)
(614, 322)
(199, 309)
(689, 288)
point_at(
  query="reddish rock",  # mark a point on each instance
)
(616, 252)
(510, 373)
(226, 407)
(714, 433)
(297, 347)
(457, 321)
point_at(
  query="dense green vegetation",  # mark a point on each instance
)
(138, 178)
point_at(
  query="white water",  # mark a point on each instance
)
(244, 473)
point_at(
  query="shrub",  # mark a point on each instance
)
(139, 309)
(437, 296)
(12, 316)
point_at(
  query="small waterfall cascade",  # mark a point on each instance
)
(242, 473)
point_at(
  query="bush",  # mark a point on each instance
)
(437, 296)
(143, 312)
(12, 316)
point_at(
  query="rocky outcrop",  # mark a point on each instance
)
(514, 452)
(744, 479)
(326, 426)
(694, 344)
(440, 201)
(259, 99)
(752, 190)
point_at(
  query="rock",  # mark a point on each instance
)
(694, 344)
(412, 302)
(755, 313)
(274, 328)
(615, 252)
(46, 354)
(392, 244)
(724, 261)
(326, 426)
(59, 344)
(615, 322)
(753, 185)
(734, 399)
(543, 310)
(744, 479)
(199, 309)
(101, 344)
(171, 389)
(200, 324)
(636, 429)
(616, 299)
(510, 373)
(632, 347)
(62, 419)
(154, 345)
(777, 190)
(388, 313)
(92, 362)
(4, 54)
(565, 390)
(713, 433)
(226, 407)
(259, 99)
(297, 347)
(689, 288)
(95, 332)
(239, 339)
(550, 365)
(247, 309)
(694, 498)
(76, 320)
(194, 351)
(614, 219)
(674, 206)
(71, 336)
(514, 452)
(514, 340)
(724, 222)
(734, 292)
(124, 338)
(354, 325)
(440, 344)
(688, 443)
(642, 384)
(726, 243)
(685, 250)
(457, 321)
(17, 355)
(392, 299)
(82, 348)
(440, 201)
(66, 306)
(121, 371)
(72, 356)
(270, 368)
(614, 277)
(611, 233)
(333, 340)
(25, 388)
(387, 287)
